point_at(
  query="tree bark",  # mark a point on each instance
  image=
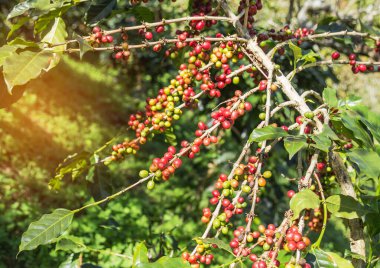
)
(357, 243)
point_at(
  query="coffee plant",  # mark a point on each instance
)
(239, 68)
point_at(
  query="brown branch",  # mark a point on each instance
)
(147, 44)
(357, 243)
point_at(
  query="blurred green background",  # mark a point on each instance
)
(80, 105)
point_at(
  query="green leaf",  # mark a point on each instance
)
(220, 243)
(267, 133)
(21, 68)
(344, 206)
(350, 120)
(69, 262)
(293, 144)
(5, 52)
(170, 137)
(19, 9)
(329, 260)
(330, 97)
(99, 10)
(20, 22)
(305, 199)
(372, 223)
(165, 262)
(84, 46)
(47, 19)
(46, 229)
(74, 164)
(38, 7)
(143, 13)
(297, 53)
(352, 255)
(329, 133)
(57, 33)
(367, 161)
(310, 57)
(140, 255)
(70, 243)
(323, 139)
(322, 142)
(22, 43)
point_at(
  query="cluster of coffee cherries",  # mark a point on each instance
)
(302, 32)
(225, 189)
(98, 37)
(295, 240)
(253, 7)
(226, 116)
(119, 151)
(202, 8)
(164, 167)
(356, 68)
(161, 111)
(315, 219)
(264, 237)
(195, 147)
(308, 115)
(201, 256)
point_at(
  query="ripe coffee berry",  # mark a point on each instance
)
(148, 36)
(335, 55)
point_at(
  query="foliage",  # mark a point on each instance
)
(77, 106)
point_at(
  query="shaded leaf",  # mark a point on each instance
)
(351, 121)
(143, 13)
(69, 263)
(74, 164)
(293, 144)
(352, 255)
(45, 20)
(305, 199)
(372, 223)
(21, 68)
(84, 46)
(267, 133)
(322, 142)
(344, 206)
(20, 22)
(99, 10)
(367, 161)
(46, 229)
